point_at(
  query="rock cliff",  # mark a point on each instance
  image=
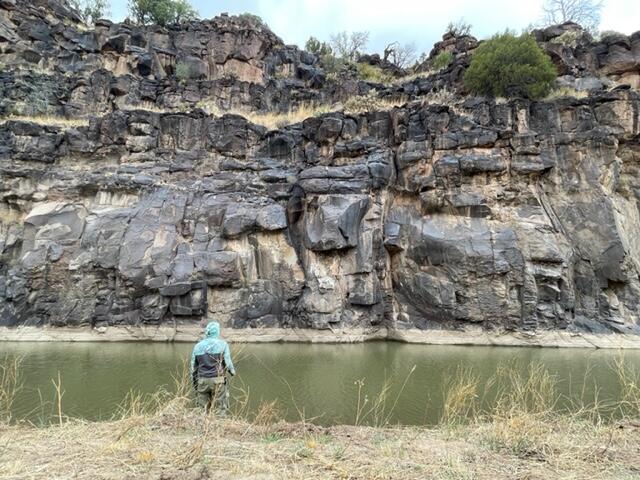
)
(514, 215)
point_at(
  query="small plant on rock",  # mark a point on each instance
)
(442, 60)
(39, 96)
(372, 73)
(91, 10)
(568, 39)
(255, 19)
(510, 66)
(182, 72)
(317, 47)
(161, 12)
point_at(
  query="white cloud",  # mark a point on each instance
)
(621, 15)
(420, 21)
(408, 20)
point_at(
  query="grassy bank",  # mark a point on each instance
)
(521, 435)
(185, 445)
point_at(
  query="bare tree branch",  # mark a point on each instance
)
(400, 55)
(349, 46)
(584, 12)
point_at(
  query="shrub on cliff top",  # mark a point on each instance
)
(161, 12)
(317, 47)
(90, 10)
(255, 19)
(510, 66)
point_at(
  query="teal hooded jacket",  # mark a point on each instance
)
(208, 351)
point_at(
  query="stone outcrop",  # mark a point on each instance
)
(231, 62)
(518, 215)
(514, 215)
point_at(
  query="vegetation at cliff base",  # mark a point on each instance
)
(510, 66)
(162, 436)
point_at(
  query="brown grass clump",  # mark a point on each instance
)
(187, 444)
(270, 120)
(48, 120)
(562, 92)
(413, 76)
(372, 102)
(274, 120)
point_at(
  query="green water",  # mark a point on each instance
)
(319, 381)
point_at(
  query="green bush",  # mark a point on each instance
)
(510, 66)
(255, 19)
(161, 12)
(317, 47)
(442, 60)
(182, 72)
(38, 95)
(91, 10)
(333, 65)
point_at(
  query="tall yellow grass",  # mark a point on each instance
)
(10, 385)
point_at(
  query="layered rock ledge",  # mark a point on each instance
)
(509, 215)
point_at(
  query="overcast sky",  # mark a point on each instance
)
(419, 21)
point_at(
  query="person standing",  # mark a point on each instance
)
(210, 361)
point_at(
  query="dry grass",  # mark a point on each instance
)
(275, 120)
(48, 120)
(413, 76)
(270, 120)
(184, 444)
(10, 385)
(562, 92)
(147, 106)
(372, 102)
(520, 435)
(442, 97)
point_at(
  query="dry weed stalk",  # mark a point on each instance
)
(10, 386)
(59, 394)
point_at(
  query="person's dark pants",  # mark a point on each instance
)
(213, 391)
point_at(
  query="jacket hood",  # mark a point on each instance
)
(212, 330)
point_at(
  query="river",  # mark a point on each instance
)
(319, 382)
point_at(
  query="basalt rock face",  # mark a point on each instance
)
(614, 57)
(231, 62)
(517, 215)
(513, 215)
